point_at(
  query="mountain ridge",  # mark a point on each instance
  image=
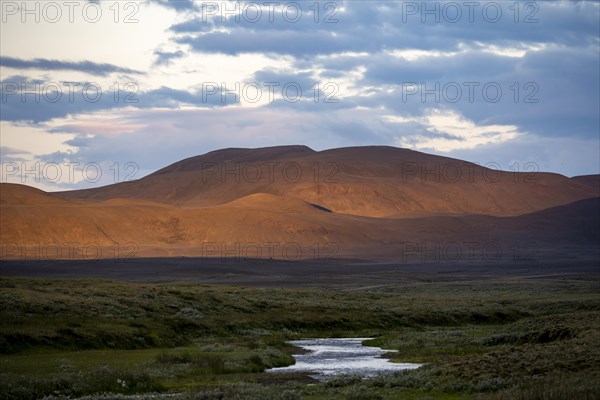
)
(376, 181)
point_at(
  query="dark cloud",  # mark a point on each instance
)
(36, 101)
(89, 67)
(557, 101)
(376, 26)
(164, 57)
(271, 41)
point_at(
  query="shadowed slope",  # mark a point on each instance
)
(591, 181)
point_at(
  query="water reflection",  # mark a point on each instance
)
(334, 356)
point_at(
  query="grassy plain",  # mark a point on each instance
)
(494, 338)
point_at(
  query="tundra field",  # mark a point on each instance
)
(497, 333)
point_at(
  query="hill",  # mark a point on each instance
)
(376, 181)
(38, 225)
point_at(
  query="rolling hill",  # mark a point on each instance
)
(373, 181)
(372, 206)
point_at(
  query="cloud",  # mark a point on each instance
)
(533, 153)
(377, 26)
(164, 57)
(101, 69)
(178, 5)
(446, 131)
(36, 101)
(10, 154)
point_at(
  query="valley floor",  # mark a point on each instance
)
(483, 335)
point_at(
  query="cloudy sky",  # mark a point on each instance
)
(128, 87)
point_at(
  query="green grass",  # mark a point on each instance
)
(498, 340)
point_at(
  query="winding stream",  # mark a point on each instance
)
(335, 356)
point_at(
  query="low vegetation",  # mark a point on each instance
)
(490, 339)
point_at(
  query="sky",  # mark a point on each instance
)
(97, 92)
